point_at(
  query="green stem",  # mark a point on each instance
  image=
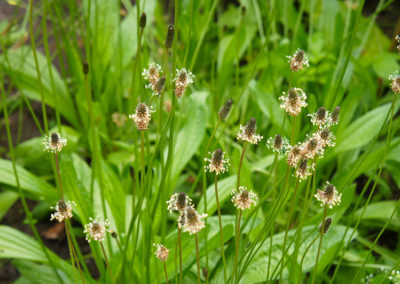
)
(322, 230)
(72, 250)
(237, 239)
(165, 271)
(39, 77)
(21, 193)
(221, 234)
(180, 255)
(198, 258)
(240, 164)
(292, 205)
(306, 251)
(107, 263)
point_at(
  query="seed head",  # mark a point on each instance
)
(183, 79)
(85, 68)
(335, 115)
(294, 156)
(294, 101)
(304, 170)
(152, 74)
(142, 116)
(217, 163)
(178, 202)
(225, 109)
(311, 148)
(113, 234)
(298, 60)
(54, 143)
(243, 199)
(321, 117)
(63, 211)
(326, 226)
(170, 37)
(278, 144)
(329, 196)
(96, 230)
(395, 84)
(325, 137)
(191, 220)
(247, 132)
(162, 252)
(143, 20)
(159, 86)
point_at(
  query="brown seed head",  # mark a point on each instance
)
(326, 226)
(141, 110)
(335, 115)
(250, 128)
(321, 113)
(329, 190)
(143, 20)
(85, 68)
(224, 111)
(325, 134)
(159, 87)
(170, 37)
(54, 138)
(217, 156)
(278, 141)
(114, 234)
(299, 56)
(181, 202)
(62, 206)
(293, 97)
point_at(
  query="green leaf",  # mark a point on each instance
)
(380, 211)
(363, 130)
(33, 185)
(225, 187)
(192, 132)
(255, 273)
(7, 199)
(23, 68)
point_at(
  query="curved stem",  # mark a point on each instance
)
(180, 255)
(107, 263)
(306, 251)
(320, 244)
(240, 164)
(221, 234)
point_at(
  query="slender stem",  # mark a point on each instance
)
(180, 255)
(17, 180)
(306, 251)
(292, 205)
(293, 130)
(59, 176)
(106, 259)
(165, 271)
(240, 164)
(32, 36)
(221, 234)
(72, 250)
(198, 258)
(320, 243)
(237, 239)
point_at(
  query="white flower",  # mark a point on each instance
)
(191, 221)
(178, 202)
(294, 101)
(162, 252)
(54, 143)
(298, 60)
(63, 211)
(243, 199)
(142, 116)
(96, 230)
(182, 80)
(329, 196)
(278, 144)
(217, 163)
(247, 132)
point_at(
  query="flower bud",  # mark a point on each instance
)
(326, 226)
(143, 19)
(224, 111)
(85, 68)
(170, 37)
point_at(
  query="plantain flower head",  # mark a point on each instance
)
(243, 199)
(162, 252)
(278, 144)
(142, 116)
(217, 163)
(328, 196)
(298, 60)
(152, 74)
(191, 221)
(63, 210)
(304, 170)
(294, 101)
(321, 118)
(96, 230)
(395, 84)
(182, 80)
(54, 142)
(178, 202)
(247, 132)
